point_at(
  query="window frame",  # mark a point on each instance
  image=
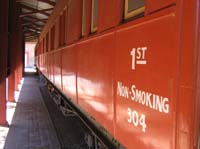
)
(43, 45)
(84, 18)
(94, 29)
(133, 13)
(52, 38)
(47, 42)
(62, 28)
(64, 17)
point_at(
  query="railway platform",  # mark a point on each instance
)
(32, 127)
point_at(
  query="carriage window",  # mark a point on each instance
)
(94, 20)
(62, 28)
(84, 18)
(52, 38)
(47, 42)
(43, 43)
(134, 8)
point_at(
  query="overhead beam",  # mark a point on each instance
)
(48, 2)
(29, 23)
(32, 9)
(32, 29)
(26, 36)
(45, 1)
(32, 20)
(32, 37)
(33, 24)
(36, 11)
(32, 32)
(27, 33)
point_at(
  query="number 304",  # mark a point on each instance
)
(137, 119)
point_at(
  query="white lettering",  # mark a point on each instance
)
(166, 105)
(133, 58)
(143, 122)
(137, 119)
(122, 90)
(133, 97)
(147, 99)
(138, 56)
(143, 52)
(150, 100)
(129, 115)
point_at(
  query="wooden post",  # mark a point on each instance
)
(3, 58)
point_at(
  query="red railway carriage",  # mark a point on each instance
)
(132, 65)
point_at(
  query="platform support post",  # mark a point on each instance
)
(15, 48)
(11, 87)
(3, 58)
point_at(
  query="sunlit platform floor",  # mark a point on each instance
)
(31, 126)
